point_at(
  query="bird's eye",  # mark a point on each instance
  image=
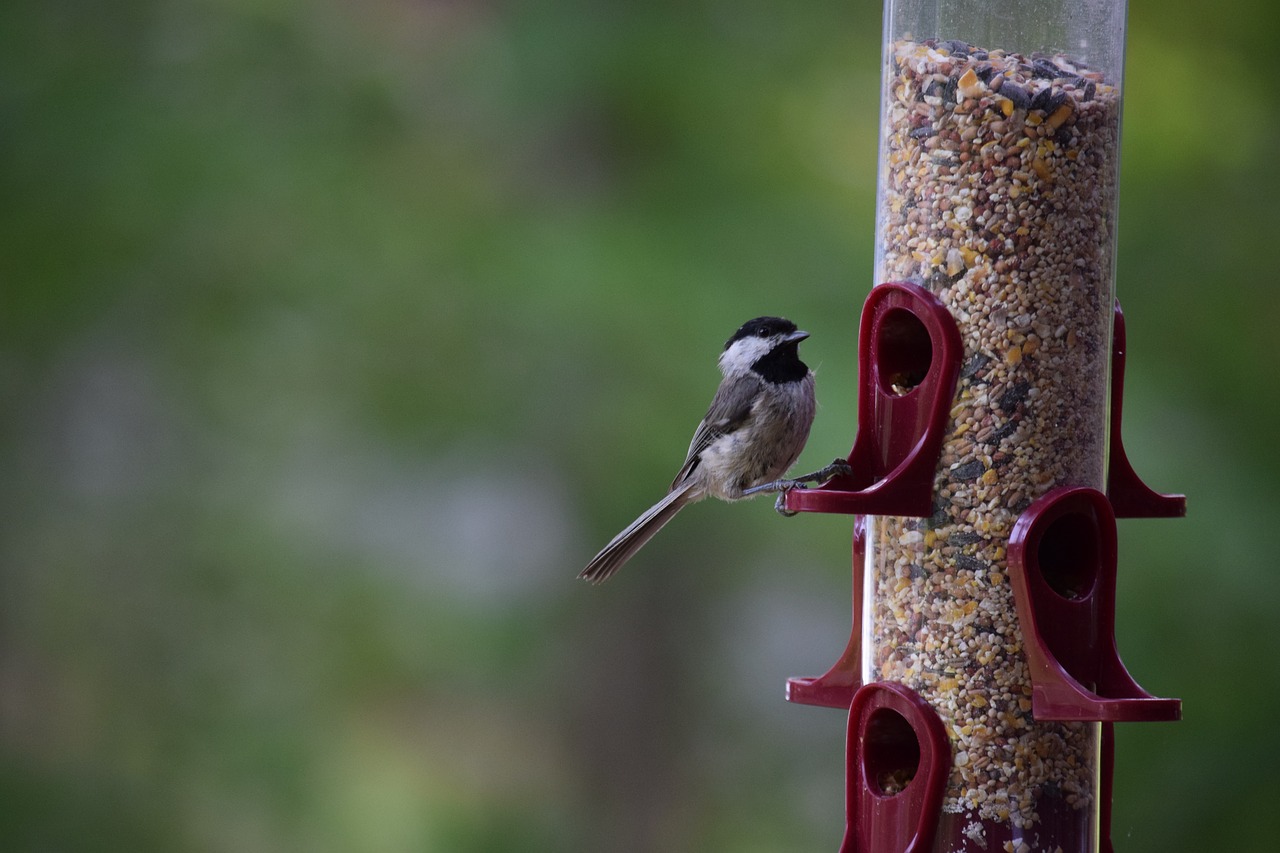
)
(764, 332)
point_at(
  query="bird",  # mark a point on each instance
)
(753, 432)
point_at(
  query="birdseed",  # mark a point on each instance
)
(998, 194)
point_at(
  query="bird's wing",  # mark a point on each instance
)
(728, 411)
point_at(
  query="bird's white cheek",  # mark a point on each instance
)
(744, 353)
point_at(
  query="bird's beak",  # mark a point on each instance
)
(796, 337)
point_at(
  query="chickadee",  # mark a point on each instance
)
(753, 432)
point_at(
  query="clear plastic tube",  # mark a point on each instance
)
(999, 155)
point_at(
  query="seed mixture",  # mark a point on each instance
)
(997, 193)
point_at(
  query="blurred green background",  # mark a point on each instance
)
(336, 337)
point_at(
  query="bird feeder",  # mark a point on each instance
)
(981, 677)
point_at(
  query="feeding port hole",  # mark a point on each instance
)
(1068, 555)
(892, 752)
(903, 353)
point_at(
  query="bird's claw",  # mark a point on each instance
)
(780, 504)
(838, 468)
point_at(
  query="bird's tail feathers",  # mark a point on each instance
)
(637, 533)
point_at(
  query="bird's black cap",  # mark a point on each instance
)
(763, 327)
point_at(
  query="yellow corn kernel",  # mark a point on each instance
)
(1059, 115)
(969, 85)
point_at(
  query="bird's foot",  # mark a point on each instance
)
(780, 505)
(838, 468)
(779, 486)
(782, 486)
